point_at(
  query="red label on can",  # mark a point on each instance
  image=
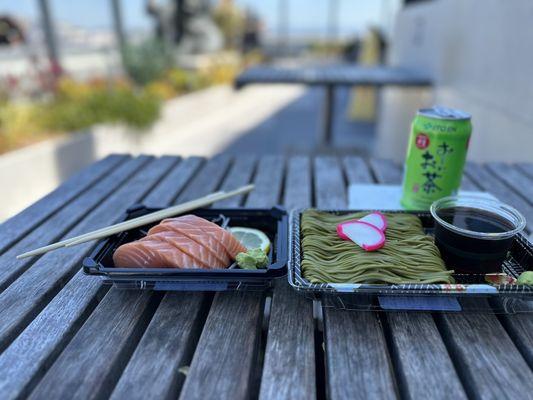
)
(422, 141)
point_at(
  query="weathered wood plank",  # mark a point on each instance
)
(357, 170)
(423, 365)
(47, 334)
(330, 190)
(468, 356)
(297, 191)
(526, 168)
(154, 373)
(173, 183)
(358, 366)
(520, 182)
(58, 225)
(357, 363)
(19, 225)
(225, 327)
(386, 171)
(491, 366)
(468, 184)
(520, 329)
(24, 297)
(290, 340)
(167, 345)
(92, 362)
(224, 359)
(240, 174)
(208, 179)
(267, 182)
(490, 183)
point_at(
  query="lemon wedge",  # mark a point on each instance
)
(251, 238)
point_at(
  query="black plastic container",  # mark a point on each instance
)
(273, 222)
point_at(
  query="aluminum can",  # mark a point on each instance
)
(436, 156)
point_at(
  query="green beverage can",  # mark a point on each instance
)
(436, 156)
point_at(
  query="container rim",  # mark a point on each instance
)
(503, 210)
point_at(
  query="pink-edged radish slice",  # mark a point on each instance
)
(362, 233)
(377, 219)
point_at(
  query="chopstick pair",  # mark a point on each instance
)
(140, 221)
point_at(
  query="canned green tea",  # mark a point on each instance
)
(436, 156)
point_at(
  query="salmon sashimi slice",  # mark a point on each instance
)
(212, 245)
(188, 246)
(228, 241)
(151, 254)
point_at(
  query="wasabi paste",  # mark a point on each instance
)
(252, 259)
(525, 278)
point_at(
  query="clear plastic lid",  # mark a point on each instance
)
(516, 221)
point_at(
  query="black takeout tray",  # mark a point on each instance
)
(273, 222)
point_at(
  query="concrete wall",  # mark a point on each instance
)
(480, 53)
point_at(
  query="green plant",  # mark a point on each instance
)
(147, 61)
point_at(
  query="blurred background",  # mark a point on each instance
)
(81, 80)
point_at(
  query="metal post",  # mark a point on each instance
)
(283, 25)
(333, 20)
(118, 27)
(325, 138)
(50, 37)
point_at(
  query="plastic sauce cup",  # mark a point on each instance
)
(474, 234)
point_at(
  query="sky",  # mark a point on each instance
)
(305, 16)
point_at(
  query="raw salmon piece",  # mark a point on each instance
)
(228, 241)
(195, 250)
(212, 245)
(173, 256)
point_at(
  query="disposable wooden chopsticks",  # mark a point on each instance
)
(140, 221)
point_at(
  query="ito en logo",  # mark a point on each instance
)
(422, 141)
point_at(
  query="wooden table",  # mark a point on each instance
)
(330, 77)
(65, 335)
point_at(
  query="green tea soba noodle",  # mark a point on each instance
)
(409, 256)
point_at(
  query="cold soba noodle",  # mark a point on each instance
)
(409, 256)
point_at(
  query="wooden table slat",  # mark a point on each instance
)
(493, 347)
(92, 362)
(423, 365)
(490, 363)
(354, 341)
(487, 181)
(240, 174)
(329, 189)
(59, 224)
(515, 178)
(157, 373)
(173, 183)
(167, 345)
(19, 225)
(526, 167)
(268, 179)
(23, 298)
(44, 338)
(226, 326)
(289, 365)
(386, 171)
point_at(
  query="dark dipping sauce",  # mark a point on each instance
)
(466, 254)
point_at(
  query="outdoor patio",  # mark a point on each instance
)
(213, 208)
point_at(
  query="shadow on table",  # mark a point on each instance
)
(294, 129)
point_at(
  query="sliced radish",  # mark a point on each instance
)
(377, 219)
(364, 234)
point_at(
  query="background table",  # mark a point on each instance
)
(330, 77)
(65, 335)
